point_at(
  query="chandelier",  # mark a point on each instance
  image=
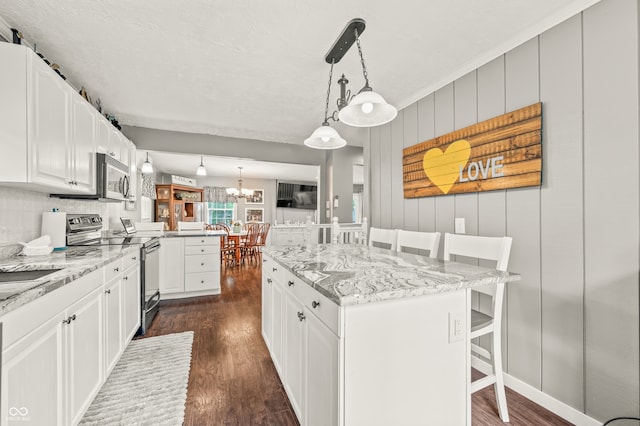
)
(240, 192)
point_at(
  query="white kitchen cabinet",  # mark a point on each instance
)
(322, 354)
(287, 236)
(112, 323)
(172, 264)
(33, 373)
(82, 162)
(131, 303)
(294, 353)
(84, 336)
(191, 266)
(273, 311)
(267, 309)
(103, 131)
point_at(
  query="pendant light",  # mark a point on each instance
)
(367, 108)
(147, 168)
(325, 137)
(201, 170)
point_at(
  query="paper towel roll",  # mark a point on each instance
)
(54, 224)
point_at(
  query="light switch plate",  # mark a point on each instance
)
(459, 225)
(456, 327)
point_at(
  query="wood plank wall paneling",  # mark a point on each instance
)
(397, 144)
(523, 225)
(410, 137)
(572, 323)
(385, 176)
(610, 46)
(444, 123)
(561, 214)
(366, 195)
(374, 175)
(427, 130)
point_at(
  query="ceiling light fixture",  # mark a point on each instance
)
(367, 108)
(201, 170)
(326, 137)
(147, 167)
(239, 192)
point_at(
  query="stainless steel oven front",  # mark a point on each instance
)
(149, 282)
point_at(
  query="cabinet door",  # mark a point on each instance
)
(84, 353)
(49, 127)
(33, 376)
(125, 155)
(294, 352)
(277, 336)
(131, 303)
(172, 265)
(102, 135)
(267, 310)
(322, 374)
(114, 143)
(83, 153)
(112, 323)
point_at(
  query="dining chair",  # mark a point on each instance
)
(227, 246)
(249, 244)
(419, 240)
(379, 237)
(497, 249)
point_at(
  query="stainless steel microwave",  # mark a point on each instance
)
(112, 181)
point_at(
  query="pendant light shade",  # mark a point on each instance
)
(147, 168)
(367, 109)
(325, 137)
(201, 170)
(240, 192)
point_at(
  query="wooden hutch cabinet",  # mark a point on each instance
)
(178, 203)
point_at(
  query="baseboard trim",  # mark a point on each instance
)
(563, 410)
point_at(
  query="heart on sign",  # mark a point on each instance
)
(443, 168)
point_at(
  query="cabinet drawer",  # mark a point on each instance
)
(201, 263)
(130, 259)
(327, 311)
(199, 281)
(112, 270)
(191, 250)
(202, 241)
(272, 269)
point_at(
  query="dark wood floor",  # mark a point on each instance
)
(234, 382)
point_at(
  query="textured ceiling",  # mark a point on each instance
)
(255, 69)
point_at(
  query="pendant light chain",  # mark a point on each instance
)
(364, 67)
(326, 105)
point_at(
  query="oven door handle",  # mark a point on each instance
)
(149, 309)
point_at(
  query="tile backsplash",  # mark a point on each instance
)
(21, 213)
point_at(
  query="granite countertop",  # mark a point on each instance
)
(73, 263)
(350, 274)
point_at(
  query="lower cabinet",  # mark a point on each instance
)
(59, 349)
(304, 350)
(190, 266)
(51, 375)
(287, 236)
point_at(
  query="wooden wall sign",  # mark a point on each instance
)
(503, 152)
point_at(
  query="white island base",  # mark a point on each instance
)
(378, 363)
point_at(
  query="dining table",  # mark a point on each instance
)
(235, 239)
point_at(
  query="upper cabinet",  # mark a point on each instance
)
(51, 132)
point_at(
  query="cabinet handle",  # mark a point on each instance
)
(290, 283)
(301, 316)
(202, 241)
(108, 291)
(70, 182)
(269, 280)
(202, 282)
(202, 264)
(73, 317)
(134, 258)
(264, 260)
(275, 269)
(67, 321)
(315, 304)
(125, 278)
(116, 269)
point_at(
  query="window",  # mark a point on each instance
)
(221, 213)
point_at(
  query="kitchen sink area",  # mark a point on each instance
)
(21, 276)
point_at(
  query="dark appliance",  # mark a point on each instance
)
(297, 195)
(85, 230)
(112, 181)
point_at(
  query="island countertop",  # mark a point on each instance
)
(350, 274)
(73, 263)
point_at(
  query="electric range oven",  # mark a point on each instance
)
(85, 230)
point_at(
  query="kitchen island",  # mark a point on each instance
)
(362, 335)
